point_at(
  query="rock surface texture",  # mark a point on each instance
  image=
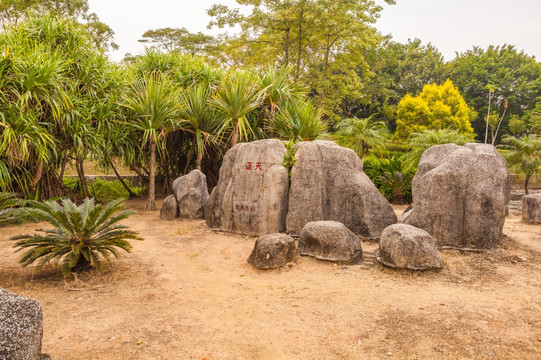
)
(328, 183)
(251, 195)
(460, 195)
(272, 251)
(531, 208)
(407, 247)
(21, 327)
(192, 194)
(331, 241)
(169, 210)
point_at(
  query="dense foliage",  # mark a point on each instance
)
(297, 70)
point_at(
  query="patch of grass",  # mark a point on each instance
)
(102, 190)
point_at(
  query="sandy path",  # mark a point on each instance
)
(187, 292)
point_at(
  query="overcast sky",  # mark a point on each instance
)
(450, 25)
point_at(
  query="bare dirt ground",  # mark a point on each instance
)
(186, 292)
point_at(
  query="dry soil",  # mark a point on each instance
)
(187, 292)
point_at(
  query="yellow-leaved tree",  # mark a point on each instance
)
(436, 107)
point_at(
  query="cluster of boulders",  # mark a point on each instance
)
(21, 327)
(460, 198)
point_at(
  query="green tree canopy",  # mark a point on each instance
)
(436, 107)
(514, 76)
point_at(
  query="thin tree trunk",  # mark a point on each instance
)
(398, 197)
(132, 194)
(499, 123)
(526, 182)
(488, 116)
(81, 173)
(235, 134)
(288, 30)
(37, 175)
(151, 202)
(198, 161)
(190, 156)
(63, 168)
(297, 73)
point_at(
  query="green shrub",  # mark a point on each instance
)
(82, 235)
(8, 204)
(102, 191)
(390, 177)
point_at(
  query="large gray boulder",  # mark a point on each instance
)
(192, 194)
(251, 195)
(330, 241)
(407, 247)
(169, 210)
(531, 208)
(272, 251)
(460, 195)
(328, 183)
(21, 327)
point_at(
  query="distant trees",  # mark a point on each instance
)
(514, 76)
(436, 107)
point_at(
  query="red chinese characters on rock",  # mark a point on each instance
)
(257, 166)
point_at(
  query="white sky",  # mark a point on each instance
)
(450, 25)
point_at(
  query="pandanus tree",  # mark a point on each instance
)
(52, 77)
(237, 95)
(524, 155)
(154, 109)
(199, 119)
(299, 120)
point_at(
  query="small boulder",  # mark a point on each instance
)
(169, 210)
(21, 327)
(531, 208)
(272, 251)
(331, 241)
(192, 195)
(407, 247)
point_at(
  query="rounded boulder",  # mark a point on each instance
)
(330, 241)
(404, 246)
(272, 251)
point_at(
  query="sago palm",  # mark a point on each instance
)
(524, 155)
(82, 235)
(236, 96)
(155, 105)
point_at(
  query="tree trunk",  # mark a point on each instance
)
(82, 264)
(288, 30)
(398, 197)
(65, 161)
(132, 194)
(198, 161)
(297, 73)
(526, 182)
(37, 175)
(151, 203)
(81, 173)
(190, 155)
(235, 134)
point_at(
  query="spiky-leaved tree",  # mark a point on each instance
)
(154, 106)
(524, 155)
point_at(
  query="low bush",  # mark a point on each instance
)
(102, 191)
(390, 177)
(82, 235)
